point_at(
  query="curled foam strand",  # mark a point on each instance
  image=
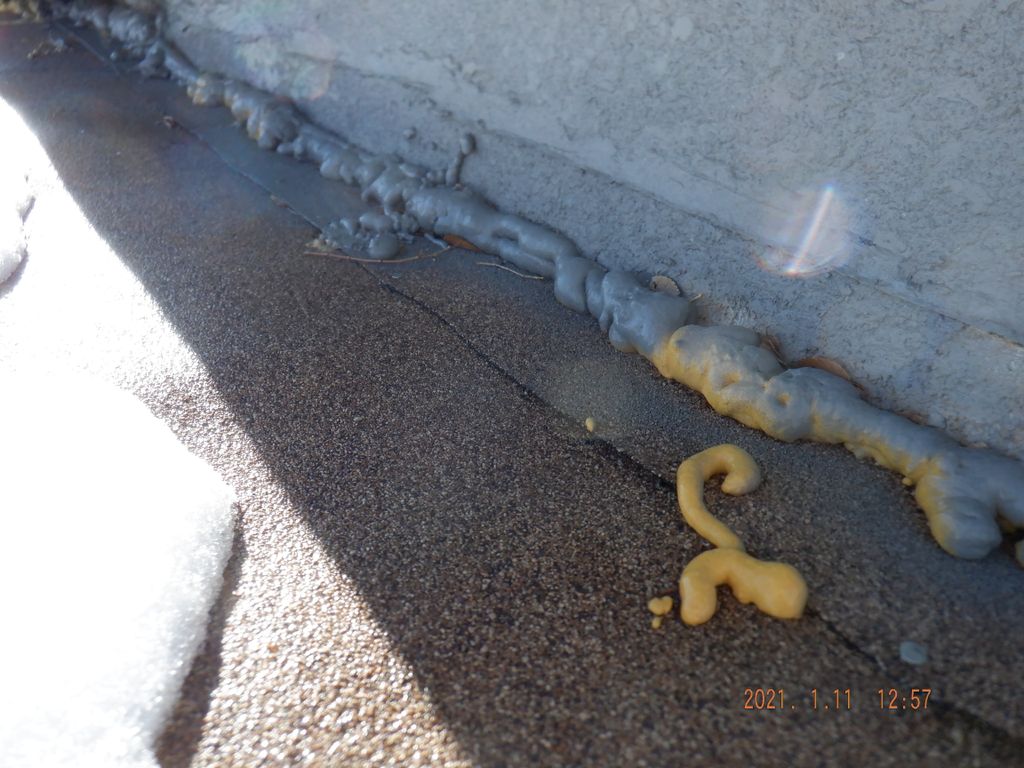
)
(963, 491)
(741, 477)
(777, 589)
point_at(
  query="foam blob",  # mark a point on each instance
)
(777, 589)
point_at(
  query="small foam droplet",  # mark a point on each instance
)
(660, 606)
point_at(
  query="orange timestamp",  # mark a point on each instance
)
(832, 699)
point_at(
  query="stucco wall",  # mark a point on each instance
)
(846, 176)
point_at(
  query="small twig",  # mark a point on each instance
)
(509, 269)
(345, 257)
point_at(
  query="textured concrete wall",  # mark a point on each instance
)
(846, 176)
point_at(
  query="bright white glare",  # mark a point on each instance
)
(113, 538)
(15, 196)
(812, 236)
(800, 258)
(74, 301)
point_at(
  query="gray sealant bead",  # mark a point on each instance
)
(383, 246)
(376, 222)
(963, 491)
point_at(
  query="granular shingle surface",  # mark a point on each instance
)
(436, 563)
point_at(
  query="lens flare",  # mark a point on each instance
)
(812, 236)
